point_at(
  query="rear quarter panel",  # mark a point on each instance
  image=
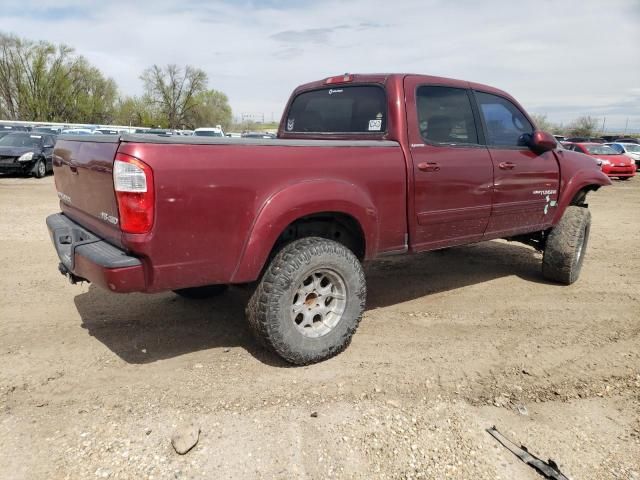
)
(220, 208)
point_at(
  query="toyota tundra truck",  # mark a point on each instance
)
(364, 166)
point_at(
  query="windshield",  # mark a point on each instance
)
(630, 147)
(340, 109)
(208, 133)
(600, 150)
(20, 140)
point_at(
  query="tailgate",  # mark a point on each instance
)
(82, 169)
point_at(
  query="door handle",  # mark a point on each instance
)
(507, 165)
(429, 167)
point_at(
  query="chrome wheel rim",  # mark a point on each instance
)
(319, 302)
(41, 169)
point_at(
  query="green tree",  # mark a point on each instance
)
(211, 108)
(173, 91)
(136, 111)
(44, 82)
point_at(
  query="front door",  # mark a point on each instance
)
(452, 170)
(525, 188)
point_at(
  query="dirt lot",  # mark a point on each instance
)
(93, 384)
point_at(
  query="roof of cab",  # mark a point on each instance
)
(382, 78)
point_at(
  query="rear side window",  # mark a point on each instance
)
(445, 115)
(505, 123)
(357, 109)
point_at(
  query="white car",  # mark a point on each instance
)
(209, 132)
(631, 150)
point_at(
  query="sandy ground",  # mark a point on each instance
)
(93, 384)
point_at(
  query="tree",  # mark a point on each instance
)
(211, 109)
(174, 91)
(585, 126)
(138, 111)
(41, 81)
(542, 123)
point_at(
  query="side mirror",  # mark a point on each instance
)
(541, 142)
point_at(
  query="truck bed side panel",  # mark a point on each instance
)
(208, 198)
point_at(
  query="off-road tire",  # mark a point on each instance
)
(40, 169)
(566, 246)
(269, 308)
(198, 293)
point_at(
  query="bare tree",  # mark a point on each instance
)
(173, 90)
(585, 126)
(542, 123)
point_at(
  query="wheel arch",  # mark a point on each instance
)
(307, 208)
(576, 190)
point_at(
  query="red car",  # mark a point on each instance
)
(614, 164)
(364, 166)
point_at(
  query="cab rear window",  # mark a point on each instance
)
(339, 109)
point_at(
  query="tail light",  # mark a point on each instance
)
(133, 183)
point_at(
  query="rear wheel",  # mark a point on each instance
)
(309, 301)
(624, 178)
(207, 291)
(566, 245)
(40, 170)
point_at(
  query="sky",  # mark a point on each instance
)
(559, 58)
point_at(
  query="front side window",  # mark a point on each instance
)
(504, 122)
(445, 115)
(340, 109)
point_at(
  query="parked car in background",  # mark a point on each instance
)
(26, 153)
(80, 131)
(585, 140)
(233, 135)
(627, 140)
(614, 164)
(159, 131)
(47, 130)
(560, 138)
(265, 135)
(631, 150)
(209, 132)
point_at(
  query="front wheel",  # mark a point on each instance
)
(566, 245)
(309, 301)
(40, 169)
(624, 178)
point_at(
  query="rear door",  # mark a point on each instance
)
(525, 187)
(83, 175)
(452, 170)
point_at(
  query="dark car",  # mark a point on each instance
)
(584, 140)
(46, 130)
(26, 153)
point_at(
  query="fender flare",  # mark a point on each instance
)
(299, 200)
(581, 179)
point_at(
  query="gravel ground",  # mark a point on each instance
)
(94, 385)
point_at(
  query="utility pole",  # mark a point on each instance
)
(625, 127)
(604, 120)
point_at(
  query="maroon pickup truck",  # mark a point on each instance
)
(364, 166)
